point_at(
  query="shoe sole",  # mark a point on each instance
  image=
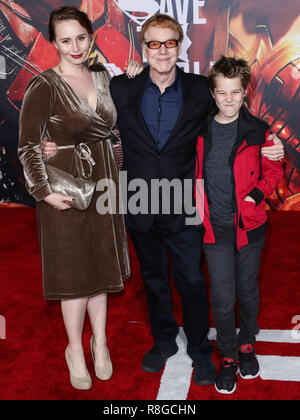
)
(151, 370)
(204, 382)
(224, 391)
(248, 377)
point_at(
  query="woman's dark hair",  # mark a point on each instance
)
(68, 13)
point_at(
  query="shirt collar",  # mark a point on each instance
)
(174, 85)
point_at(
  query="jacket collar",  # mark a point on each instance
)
(250, 129)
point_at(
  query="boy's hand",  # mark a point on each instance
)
(48, 149)
(250, 199)
(275, 152)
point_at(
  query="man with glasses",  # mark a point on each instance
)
(159, 115)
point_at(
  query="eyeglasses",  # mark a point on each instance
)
(155, 45)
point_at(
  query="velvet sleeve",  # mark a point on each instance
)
(34, 116)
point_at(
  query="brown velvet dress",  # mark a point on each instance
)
(83, 253)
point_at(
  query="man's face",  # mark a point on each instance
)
(229, 96)
(163, 60)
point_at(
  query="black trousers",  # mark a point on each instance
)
(185, 252)
(232, 274)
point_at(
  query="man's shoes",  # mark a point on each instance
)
(205, 371)
(249, 367)
(226, 380)
(155, 359)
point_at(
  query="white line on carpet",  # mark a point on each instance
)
(271, 336)
(279, 368)
(176, 378)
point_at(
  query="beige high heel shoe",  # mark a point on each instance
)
(84, 383)
(104, 373)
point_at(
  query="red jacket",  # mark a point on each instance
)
(253, 175)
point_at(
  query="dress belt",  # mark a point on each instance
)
(82, 153)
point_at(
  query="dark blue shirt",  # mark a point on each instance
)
(160, 111)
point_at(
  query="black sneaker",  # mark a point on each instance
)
(249, 367)
(155, 359)
(205, 371)
(226, 380)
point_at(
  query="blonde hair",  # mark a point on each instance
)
(161, 21)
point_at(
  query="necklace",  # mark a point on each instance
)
(60, 69)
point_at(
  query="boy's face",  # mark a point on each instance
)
(229, 96)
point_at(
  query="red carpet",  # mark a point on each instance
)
(32, 363)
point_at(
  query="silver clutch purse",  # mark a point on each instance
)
(80, 189)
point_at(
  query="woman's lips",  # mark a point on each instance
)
(77, 56)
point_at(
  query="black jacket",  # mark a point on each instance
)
(142, 159)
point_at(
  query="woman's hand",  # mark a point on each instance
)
(59, 201)
(133, 69)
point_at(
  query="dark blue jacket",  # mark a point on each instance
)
(176, 159)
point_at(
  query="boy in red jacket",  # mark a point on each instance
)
(237, 180)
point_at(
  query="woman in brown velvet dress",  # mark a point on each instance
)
(84, 254)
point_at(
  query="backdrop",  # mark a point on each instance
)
(264, 32)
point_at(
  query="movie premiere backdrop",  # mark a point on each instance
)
(265, 32)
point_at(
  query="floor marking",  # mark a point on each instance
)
(176, 378)
(271, 336)
(279, 368)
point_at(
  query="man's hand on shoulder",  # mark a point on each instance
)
(275, 152)
(48, 148)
